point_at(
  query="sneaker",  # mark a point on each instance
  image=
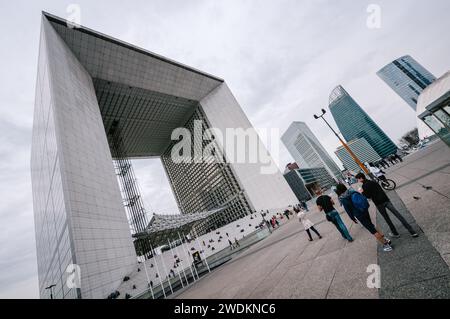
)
(394, 235)
(415, 235)
(388, 241)
(387, 247)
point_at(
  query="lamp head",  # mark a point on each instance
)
(315, 116)
(324, 111)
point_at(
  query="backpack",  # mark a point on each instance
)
(360, 202)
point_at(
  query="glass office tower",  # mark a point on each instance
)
(307, 150)
(353, 122)
(362, 150)
(407, 78)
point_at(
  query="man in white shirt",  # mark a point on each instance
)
(378, 173)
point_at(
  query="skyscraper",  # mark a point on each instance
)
(407, 78)
(306, 149)
(353, 122)
(361, 149)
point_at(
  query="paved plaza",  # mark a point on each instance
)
(287, 265)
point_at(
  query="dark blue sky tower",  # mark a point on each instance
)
(407, 78)
(353, 122)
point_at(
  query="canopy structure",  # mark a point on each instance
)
(166, 228)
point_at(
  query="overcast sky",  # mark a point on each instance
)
(281, 59)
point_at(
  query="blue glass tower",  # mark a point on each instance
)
(354, 123)
(407, 78)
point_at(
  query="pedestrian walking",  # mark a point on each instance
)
(307, 225)
(326, 204)
(275, 221)
(305, 206)
(357, 207)
(231, 244)
(392, 159)
(236, 242)
(374, 191)
(398, 157)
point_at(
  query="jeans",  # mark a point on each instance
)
(382, 209)
(365, 220)
(314, 230)
(337, 221)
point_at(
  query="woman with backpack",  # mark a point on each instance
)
(357, 206)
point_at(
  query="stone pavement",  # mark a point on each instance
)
(418, 267)
(287, 265)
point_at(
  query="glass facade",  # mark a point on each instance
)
(316, 178)
(438, 120)
(436, 126)
(307, 150)
(353, 123)
(298, 187)
(362, 149)
(53, 237)
(200, 187)
(407, 78)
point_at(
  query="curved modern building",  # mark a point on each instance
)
(433, 110)
(354, 123)
(407, 78)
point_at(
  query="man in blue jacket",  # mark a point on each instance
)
(357, 207)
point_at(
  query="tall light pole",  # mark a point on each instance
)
(355, 158)
(51, 290)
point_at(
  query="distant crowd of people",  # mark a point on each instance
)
(387, 161)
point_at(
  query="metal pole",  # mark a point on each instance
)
(157, 269)
(148, 280)
(186, 251)
(167, 274)
(355, 158)
(51, 290)
(179, 275)
(182, 265)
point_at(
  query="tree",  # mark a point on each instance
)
(410, 138)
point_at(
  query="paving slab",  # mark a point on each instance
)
(287, 265)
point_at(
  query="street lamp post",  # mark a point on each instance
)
(355, 158)
(51, 290)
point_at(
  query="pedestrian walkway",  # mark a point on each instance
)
(414, 269)
(287, 265)
(418, 268)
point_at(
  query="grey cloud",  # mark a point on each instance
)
(280, 58)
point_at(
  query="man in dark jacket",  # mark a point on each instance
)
(348, 198)
(374, 191)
